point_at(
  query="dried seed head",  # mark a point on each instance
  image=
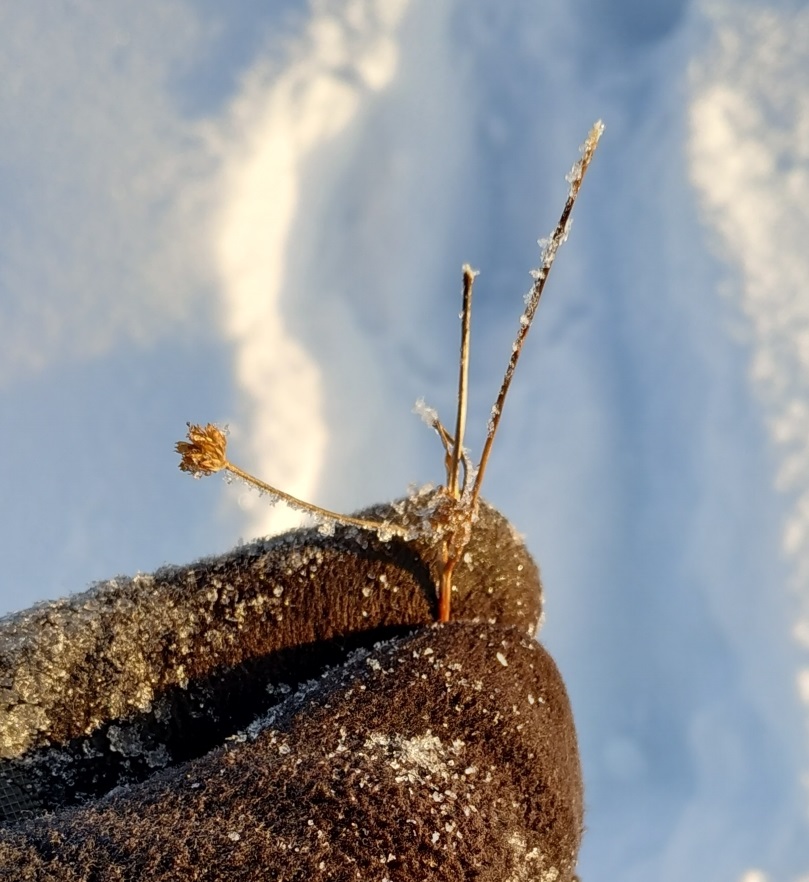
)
(204, 452)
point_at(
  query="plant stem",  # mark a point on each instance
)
(453, 478)
(540, 277)
(316, 510)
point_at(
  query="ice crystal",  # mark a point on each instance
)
(428, 414)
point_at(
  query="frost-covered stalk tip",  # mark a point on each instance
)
(549, 248)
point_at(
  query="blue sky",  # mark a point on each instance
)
(259, 217)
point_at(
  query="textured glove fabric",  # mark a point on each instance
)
(288, 711)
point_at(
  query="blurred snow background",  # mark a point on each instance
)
(258, 216)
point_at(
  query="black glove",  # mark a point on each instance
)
(288, 711)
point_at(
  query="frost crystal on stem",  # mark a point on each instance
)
(429, 415)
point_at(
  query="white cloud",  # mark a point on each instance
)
(98, 171)
(348, 53)
(754, 876)
(749, 155)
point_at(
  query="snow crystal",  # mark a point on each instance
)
(417, 756)
(495, 413)
(125, 741)
(385, 531)
(428, 414)
(158, 758)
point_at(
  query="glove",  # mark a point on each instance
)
(289, 711)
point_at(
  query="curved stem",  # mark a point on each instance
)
(316, 510)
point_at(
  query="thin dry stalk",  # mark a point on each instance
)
(460, 518)
(559, 235)
(205, 451)
(453, 477)
(450, 555)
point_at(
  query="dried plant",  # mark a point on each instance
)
(452, 510)
(204, 454)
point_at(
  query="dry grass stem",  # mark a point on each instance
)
(451, 514)
(205, 453)
(463, 511)
(450, 554)
(453, 477)
(550, 247)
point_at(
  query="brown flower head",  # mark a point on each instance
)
(204, 452)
